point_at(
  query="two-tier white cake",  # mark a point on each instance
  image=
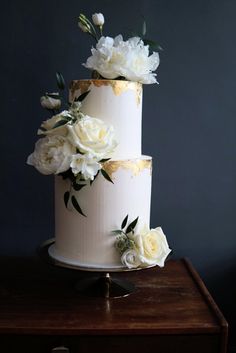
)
(88, 241)
(93, 148)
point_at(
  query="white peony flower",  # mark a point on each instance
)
(91, 135)
(130, 258)
(47, 127)
(152, 246)
(114, 57)
(49, 102)
(98, 19)
(86, 164)
(52, 155)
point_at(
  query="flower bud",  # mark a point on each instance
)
(84, 28)
(50, 101)
(98, 19)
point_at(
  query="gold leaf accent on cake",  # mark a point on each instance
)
(82, 86)
(135, 165)
(118, 87)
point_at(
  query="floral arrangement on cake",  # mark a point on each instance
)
(75, 145)
(114, 58)
(143, 247)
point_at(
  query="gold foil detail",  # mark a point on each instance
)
(136, 166)
(118, 87)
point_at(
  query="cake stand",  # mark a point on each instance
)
(101, 285)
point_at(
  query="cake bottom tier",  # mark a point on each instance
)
(88, 241)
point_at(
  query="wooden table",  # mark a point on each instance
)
(170, 311)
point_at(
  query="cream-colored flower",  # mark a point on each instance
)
(85, 164)
(152, 247)
(130, 59)
(130, 258)
(47, 127)
(50, 102)
(98, 19)
(91, 135)
(52, 155)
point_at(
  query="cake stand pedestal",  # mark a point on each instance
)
(105, 286)
(101, 285)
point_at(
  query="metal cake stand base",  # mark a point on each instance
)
(101, 285)
(105, 286)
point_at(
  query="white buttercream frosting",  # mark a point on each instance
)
(88, 240)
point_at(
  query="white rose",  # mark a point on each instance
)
(114, 57)
(91, 135)
(86, 164)
(52, 155)
(50, 102)
(130, 258)
(98, 19)
(47, 127)
(152, 247)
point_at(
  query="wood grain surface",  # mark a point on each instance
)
(39, 299)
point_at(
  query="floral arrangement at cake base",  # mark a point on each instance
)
(141, 248)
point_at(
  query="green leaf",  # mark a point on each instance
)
(78, 187)
(117, 232)
(54, 96)
(149, 42)
(42, 128)
(144, 28)
(106, 176)
(81, 178)
(68, 174)
(95, 75)
(104, 160)
(152, 44)
(91, 181)
(77, 206)
(60, 123)
(60, 80)
(66, 198)
(132, 225)
(78, 151)
(124, 222)
(82, 97)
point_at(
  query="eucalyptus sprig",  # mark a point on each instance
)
(129, 228)
(124, 241)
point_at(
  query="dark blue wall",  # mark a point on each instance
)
(189, 122)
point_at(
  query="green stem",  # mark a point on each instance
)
(94, 37)
(94, 30)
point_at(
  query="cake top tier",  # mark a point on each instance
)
(119, 104)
